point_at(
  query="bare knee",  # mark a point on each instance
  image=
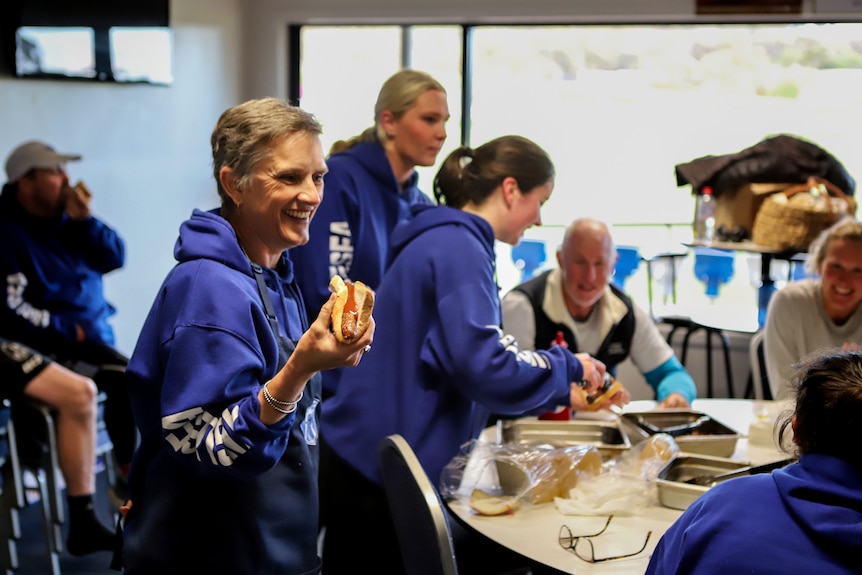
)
(81, 400)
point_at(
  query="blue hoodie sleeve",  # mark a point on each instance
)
(208, 348)
(97, 243)
(485, 364)
(216, 427)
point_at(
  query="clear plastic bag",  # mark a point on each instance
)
(495, 479)
(626, 485)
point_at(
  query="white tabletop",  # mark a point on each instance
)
(533, 530)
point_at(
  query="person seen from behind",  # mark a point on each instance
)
(805, 516)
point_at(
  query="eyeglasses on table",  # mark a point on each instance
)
(570, 542)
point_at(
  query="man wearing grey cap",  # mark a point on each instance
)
(54, 255)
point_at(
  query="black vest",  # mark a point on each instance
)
(613, 350)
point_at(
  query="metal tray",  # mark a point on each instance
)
(694, 431)
(607, 436)
(675, 481)
(674, 492)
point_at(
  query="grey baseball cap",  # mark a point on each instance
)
(34, 155)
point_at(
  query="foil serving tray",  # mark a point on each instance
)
(677, 481)
(694, 431)
(673, 489)
(607, 436)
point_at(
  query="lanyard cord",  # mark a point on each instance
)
(268, 309)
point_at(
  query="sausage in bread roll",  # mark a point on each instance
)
(352, 312)
(597, 399)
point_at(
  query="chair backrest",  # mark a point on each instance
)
(713, 267)
(758, 367)
(528, 256)
(417, 511)
(628, 262)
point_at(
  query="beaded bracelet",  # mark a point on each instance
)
(277, 404)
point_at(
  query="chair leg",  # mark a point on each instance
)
(53, 533)
(10, 527)
(725, 344)
(688, 333)
(709, 389)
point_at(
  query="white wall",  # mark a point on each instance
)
(146, 148)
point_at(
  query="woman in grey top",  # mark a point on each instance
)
(816, 313)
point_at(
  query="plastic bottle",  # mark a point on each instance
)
(704, 216)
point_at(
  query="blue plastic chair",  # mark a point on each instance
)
(713, 267)
(628, 262)
(529, 255)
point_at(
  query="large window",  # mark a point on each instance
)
(617, 106)
(342, 69)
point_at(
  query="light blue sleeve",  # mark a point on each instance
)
(671, 377)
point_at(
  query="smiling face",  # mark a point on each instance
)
(416, 137)
(587, 260)
(841, 279)
(525, 211)
(274, 212)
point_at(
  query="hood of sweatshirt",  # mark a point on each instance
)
(372, 157)
(822, 494)
(426, 217)
(207, 235)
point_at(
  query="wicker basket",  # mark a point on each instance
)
(791, 219)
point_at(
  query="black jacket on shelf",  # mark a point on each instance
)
(777, 159)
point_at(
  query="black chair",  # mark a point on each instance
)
(427, 539)
(38, 451)
(417, 511)
(11, 492)
(758, 384)
(714, 268)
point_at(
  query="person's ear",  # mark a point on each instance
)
(388, 123)
(510, 190)
(793, 427)
(559, 258)
(228, 182)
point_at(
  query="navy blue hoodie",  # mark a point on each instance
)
(349, 235)
(211, 489)
(52, 269)
(804, 518)
(440, 363)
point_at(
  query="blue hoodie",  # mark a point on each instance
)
(362, 203)
(440, 363)
(804, 518)
(212, 489)
(52, 270)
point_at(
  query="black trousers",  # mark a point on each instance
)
(360, 535)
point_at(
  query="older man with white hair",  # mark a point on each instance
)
(576, 305)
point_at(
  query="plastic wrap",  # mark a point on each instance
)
(497, 478)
